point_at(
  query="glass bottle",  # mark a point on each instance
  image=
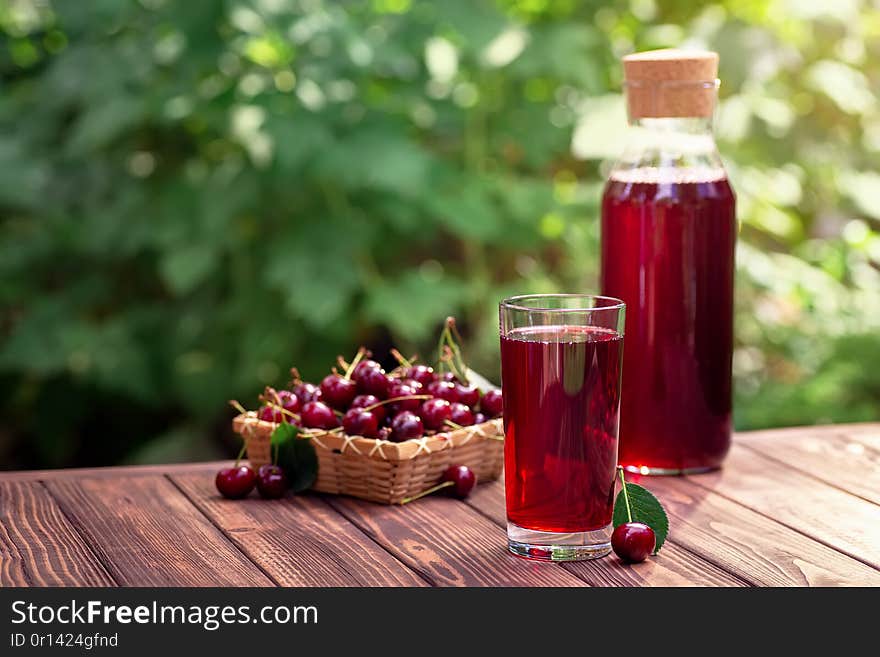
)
(668, 236)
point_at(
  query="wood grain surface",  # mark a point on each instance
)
(147, 533)
(792, 507)
(300, 541)
(38, 546)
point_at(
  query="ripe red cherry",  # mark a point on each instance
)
(307, 392)
(406, 425)
(317, 415)
(362, 367)
(235, 482)
(463, 479)
(337, 391)
(358, 422)
(415, 385)
(443, 390)
(492, 403)
(448, 376)
(421, 373)
(374, 382)
(479, 418)
(461, 414)
(398, 389)
(633, 541)
(289, 401)
(270, 413)
(271, 482)
(435, 412)
(362, 401)
(385, 433)
(467, 395)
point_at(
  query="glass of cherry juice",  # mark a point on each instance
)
(561, 357)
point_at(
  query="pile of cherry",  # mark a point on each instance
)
(407, 403)
(410, 402)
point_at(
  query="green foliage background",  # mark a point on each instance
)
(196, 195)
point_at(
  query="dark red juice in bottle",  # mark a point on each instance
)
(561, 410)
(668, 238)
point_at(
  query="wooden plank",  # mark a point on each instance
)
(831, 516)
(449, 544)
(38, 546)
(299, 540)
(112, 472)
(869, 430)
(673, 566)
(752, 546)
(149, 534)
(848, 462)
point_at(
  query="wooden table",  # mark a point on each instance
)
(791, 507)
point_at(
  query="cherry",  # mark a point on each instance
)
(448, 376)
(415, 385)
(235, 482)
(443, 390)
(468, 395)
(317, 415)
(373, 382)
(269, 413)
(400, 389)
(289, 401)
(360, 422)
(362, 367)
(384, 433)
(421, 373)
(461, 414)
(362, 401)
(271, 482)
(406, 425)
(337, 391)
(479, 418)
(633, 541)
(462, 478)
(435, 412)
(492, 403)
(307, 392)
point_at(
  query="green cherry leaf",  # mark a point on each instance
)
(296, 456)
(645, 508)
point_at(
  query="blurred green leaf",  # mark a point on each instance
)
(196, 196)
(413, 305)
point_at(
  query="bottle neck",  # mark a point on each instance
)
(671, 143)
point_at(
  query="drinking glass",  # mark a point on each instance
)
(561, 357)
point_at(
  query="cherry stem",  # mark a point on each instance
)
(234, 403)
(449, 352)
(284, 411)
(432, 489)
(394, 399)
(357, 359)
(629, 514)
(400, 358)
(449, 359)
(240, 454)
(454, 425)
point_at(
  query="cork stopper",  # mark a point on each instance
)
(671, 83)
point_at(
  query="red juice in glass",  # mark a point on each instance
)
(668, 240)
(561, 408)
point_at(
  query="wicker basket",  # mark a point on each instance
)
(383, 471)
